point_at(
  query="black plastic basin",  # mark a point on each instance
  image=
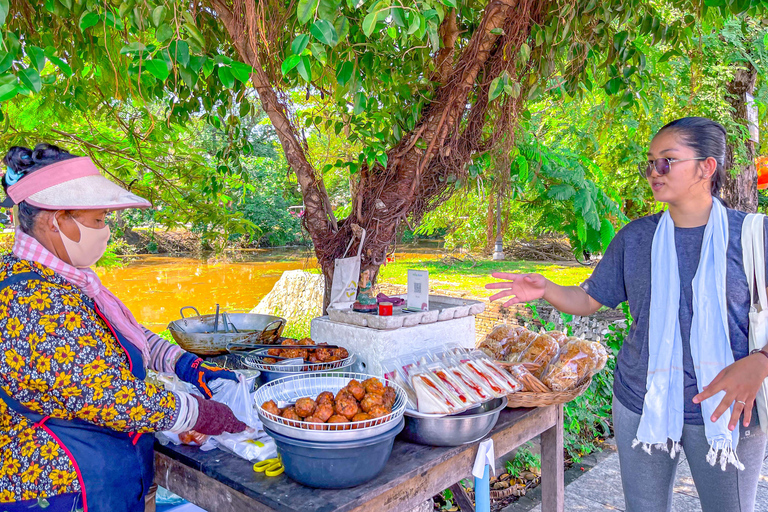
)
(335, 465)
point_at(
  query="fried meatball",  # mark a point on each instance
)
(312, 357)
(371, 400)
(373, 385)
(390, 397)
(362, 416)
(340, 353)
(292, 353)
(274, 352)
(305, 407)
(289, 413)
(338, 419)
(288, 341)
(347, 406)
(326, 397)
(315, 423)
(324, 355)
(324, 411)
(269, 360)
(356, 389)
(379, 411)
(271, 407)
(342, 393)
(306, 341)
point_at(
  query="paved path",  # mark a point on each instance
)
(599, 489)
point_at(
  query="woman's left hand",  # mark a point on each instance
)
(199, 373)
(740, 381)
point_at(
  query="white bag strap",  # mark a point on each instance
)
(360, 247)
(753, 251)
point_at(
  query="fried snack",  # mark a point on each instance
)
(371, 400)
(306, 341)
(493, 348)
(390, 397)
(269, 360)
(346, 406)
(526, 379)
(343, 392)
(288, 341)
(289, 413)
(502, 332)
(305, 407)
(292, 353)
(362, 416)
(273, 352)
(312, 357)
(339, 419)
(373, 385)
(324, 411)
(340, 353)
(356, 389)
(324, 355)
(316, 423)
(271, 407)
(578, 359)
(560, 337)
(326, 397)
(379, 411)
(542, 350)
(192, 437)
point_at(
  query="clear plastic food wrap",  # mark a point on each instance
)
(523, 375)
(432, 396)
(464, 393)
(577, 360)
(501, 375)
(535, 348)
(560, 337)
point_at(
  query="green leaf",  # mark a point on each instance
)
(31, 78)
(398, 16)
(179, 51)
(327, 9)
(134, 47)
(607, 232)
(613, 86)
(318, 52)
(37, 57)
(208, 67)
(6, 61)
(497, 31)
(226, 77)
(111, 21)
(668, 55)
(525, 52)
(306, 10)
(4, 8)
(497, 87)
(50, 52)
(158, 68)
(242, 71)
(164, 32)
(88, 20)
(360, 102)
(8, 91)
(342, 27)
(344, 72)
(415, 23)
(562, 192)
(325, 33)
(290, 63)
(305, 68)
(158, 15)
(298, 44)
(449, 3)
(369, 23)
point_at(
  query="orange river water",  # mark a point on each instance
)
(155, 288)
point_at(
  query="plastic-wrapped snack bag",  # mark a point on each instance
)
(560, 337)
(524, 377)
(478, 370)
(432, 397)
(467, 396)
(577, 360)
(479, 387)
(541, 350)
(502, 376)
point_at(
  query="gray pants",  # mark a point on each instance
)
(648, 479)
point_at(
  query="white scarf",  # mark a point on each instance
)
(663, 408)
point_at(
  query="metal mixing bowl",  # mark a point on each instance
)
(454, 430)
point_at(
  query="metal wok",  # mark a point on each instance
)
(209, 335)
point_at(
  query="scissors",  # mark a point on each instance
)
(270, 467)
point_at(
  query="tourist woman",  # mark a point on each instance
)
(684, 376)
(73, 401)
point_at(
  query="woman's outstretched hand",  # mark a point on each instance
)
(521, 287)
(740, 381)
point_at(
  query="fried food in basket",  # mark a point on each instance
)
(362, 416)
(315, 423)
(271, 407)
(305, 407)
(316, 354)
(560, 337)
(390, 397)
(379, 410)
(577, 360)
(523, 375)
(356, 389)
(373, 385)
(326, 397)
(339, 419)
(324, 411)
(371, 400)
(347, 406)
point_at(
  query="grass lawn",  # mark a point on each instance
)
(462, 276)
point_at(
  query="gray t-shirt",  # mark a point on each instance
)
(624, 274)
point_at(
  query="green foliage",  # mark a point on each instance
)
(110, 259)
(524, 460)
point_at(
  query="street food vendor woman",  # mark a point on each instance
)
(74, 406)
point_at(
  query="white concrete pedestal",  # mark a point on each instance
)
(371, 346)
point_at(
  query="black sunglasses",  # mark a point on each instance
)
(663, 165)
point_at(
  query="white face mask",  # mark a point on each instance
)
(91, 247)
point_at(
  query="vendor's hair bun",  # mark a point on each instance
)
(22, 161)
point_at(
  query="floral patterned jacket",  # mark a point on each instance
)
(59, 359)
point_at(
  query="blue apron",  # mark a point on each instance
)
(115, 469)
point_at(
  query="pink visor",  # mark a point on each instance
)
(73, 184)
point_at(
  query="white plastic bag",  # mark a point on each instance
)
(346, 272)
(753, 250)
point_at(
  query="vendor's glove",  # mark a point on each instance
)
(215, 418)
(194, 370)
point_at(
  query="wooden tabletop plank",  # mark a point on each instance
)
(413, 474)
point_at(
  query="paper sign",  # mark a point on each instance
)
(418, 290)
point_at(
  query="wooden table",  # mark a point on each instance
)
(221, 482)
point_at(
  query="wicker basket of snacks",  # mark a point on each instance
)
(552, 368)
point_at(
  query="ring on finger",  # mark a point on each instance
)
(741, 402)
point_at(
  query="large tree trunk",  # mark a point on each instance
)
(415, 178)
(740, 188)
